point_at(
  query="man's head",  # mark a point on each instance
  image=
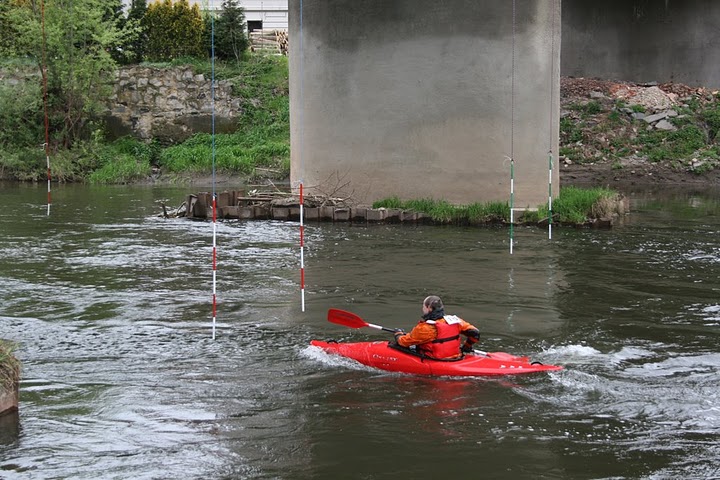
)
(431, 303)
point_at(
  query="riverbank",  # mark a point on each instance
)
(619, 134)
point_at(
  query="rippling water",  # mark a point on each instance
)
(111, 308)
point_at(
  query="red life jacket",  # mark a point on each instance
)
(447, 342)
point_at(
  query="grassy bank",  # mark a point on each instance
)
(260, 145)
(9, 366)
(572, 206)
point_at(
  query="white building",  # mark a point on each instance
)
(260, 14)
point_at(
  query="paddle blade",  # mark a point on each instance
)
(348, 319)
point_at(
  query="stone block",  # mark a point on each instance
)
(294, 214)
(375, 216)
(327, 214)
(392, 215)
(311, 214)
(230, 211)
(246, 213)
(280, 213)
(261, 212)
(358, 215)
(341, 215)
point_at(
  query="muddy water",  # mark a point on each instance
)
(110, 306)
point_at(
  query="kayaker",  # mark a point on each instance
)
(438, 335)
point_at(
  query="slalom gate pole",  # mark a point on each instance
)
(512, 202)
(512, 132)
(554, 12)
(302, 165)
(214, 194)
(45, 105)
(550, 170)
(302, 251)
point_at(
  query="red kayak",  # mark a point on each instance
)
(398, 359)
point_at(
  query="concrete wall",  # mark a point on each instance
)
(643, 40)
(413, 98)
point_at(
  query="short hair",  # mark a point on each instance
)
(433, 302)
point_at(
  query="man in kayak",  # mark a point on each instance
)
(438, 335)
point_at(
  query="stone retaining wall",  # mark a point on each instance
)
(169, 104)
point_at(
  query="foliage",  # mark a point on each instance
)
(123, 161)
(135, 43)
(174, 30)
(262, 140)
(663, 145)
(9, 365)
(573, 205)
(21, 114)
(712, 118)
(445, 212)
(230, 39)
(79, 35)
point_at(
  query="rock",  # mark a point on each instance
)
(665, 125)
(656, 117)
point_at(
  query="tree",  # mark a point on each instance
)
(136, 45)
(174, 30)
(230, 38)
(79, 36)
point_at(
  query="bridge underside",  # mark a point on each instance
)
(420, 98)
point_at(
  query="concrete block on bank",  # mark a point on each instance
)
(224, 199)
(246, 213)
(294, 214)
(375, 216)
(311, 214)
(358, 215)
(260, 212)
(392, 215)
(327, 214)
(280, 213)
(341, 215)
(408, 216)
(228, 211)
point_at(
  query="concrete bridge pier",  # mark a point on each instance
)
(422, 98)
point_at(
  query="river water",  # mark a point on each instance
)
(111, 308)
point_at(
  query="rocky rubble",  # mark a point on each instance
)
(614, 132)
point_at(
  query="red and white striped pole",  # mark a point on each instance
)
(45, 106)
(214, 264)
(302, 250)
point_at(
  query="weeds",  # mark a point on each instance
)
(573, 205)
(9, 365)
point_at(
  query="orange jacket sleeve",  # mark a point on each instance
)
(421, 333)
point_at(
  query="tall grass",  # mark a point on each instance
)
(445, 212)
(262, 139)
(9, 365)
(573, 205)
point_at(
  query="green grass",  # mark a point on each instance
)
(444, 212)
(9, 365)
(573, 205)
(123, 161)
(262, 140)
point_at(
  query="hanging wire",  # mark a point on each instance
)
(512, 133)
(45, 104)
(214, 194)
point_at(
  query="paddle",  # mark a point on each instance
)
(349, 319)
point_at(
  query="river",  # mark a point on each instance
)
(111, 308)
